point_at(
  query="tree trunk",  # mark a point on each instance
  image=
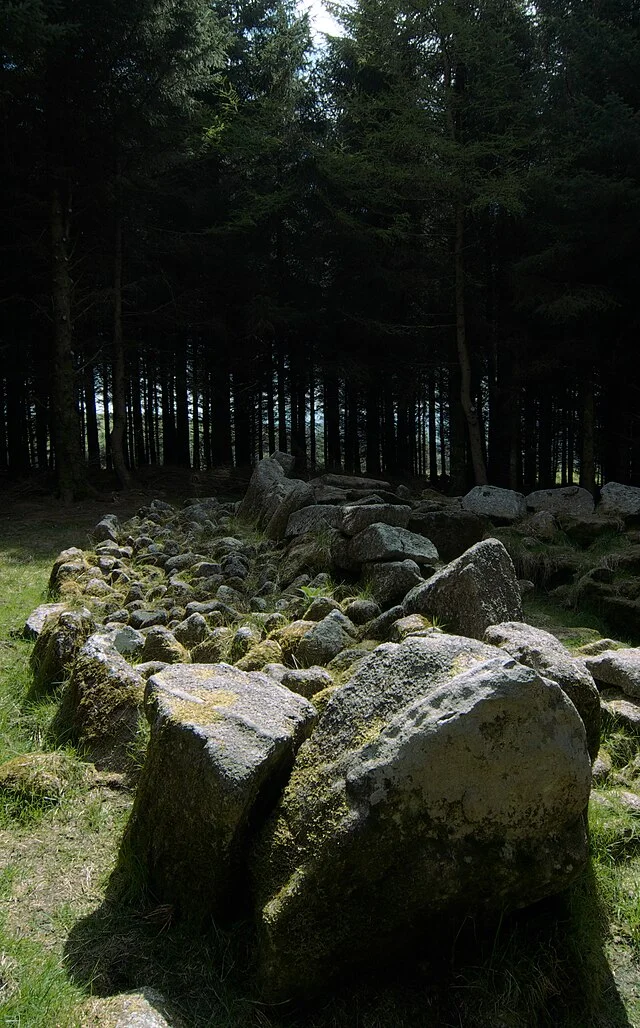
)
(333, 458)
(119, 371)
(66, 432)
(433, 443)
(182, 455)
(3, 427)
(464, 359)
(587, 455)
(93, 438)
(372, 429)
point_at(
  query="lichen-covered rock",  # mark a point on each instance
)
(145, 618)
(108, 527)
(362, 610)
(101, 705)
(192, 630)
(325, 639)
(43, 777)
(546, 655)
(144, 1008)
(617, 500)
(244, 639)
(220, 739)
(617, 667)
(60, 639)
(307, 681)
(476, 590)
(271, 498)
(412, 624)
(493, 502)
(317, 518)
(423, 795)
(289, 638)
(310, 552)
(161, 644)
(35, 622)
(568, 499)
(355, 518)
(390, 581)
(381, 542)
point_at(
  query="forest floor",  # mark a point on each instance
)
(66, 948)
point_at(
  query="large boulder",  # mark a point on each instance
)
(546, 655)
(617, 500)
(101, 705)
(443, 780)
(493, 502)
(222, 744)
(567, 499)
(271, 498)
(36, 621)
(620, 667)
(451, 531)
(476, 590)
(317, 518)
(325, 640)
(380, 542)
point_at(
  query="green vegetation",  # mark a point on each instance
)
(67, 942)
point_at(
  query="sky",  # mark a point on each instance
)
(321, 20)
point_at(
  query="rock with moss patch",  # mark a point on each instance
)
(144, 1008)
(222, 744)
(421, 797)
(546, 655)
(266, 652)
(381, 542)
(57, 645)
(289, 638)
(40, 777)
(412, 624)
(36, 621)
(451, 531)
(307, 681)
(568, 499)
(161, 644)
(214, 648)
(618, 500)
(493, 502)
(68, 564)
(355, 518)
(191, 630)
(360, 611)
(101, 705)
(476, 590)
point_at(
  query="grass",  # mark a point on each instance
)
(67, 943)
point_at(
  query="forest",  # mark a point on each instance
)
(409, 249)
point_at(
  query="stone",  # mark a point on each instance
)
(316, 518)
(307, 681)
(412, 624)
(426, 793)
(354, 519)
(271, 498)
(101, 705)
(360, 611)
(206, 569)
(57, 645)
(583, 531)
(351, 482)
(451, 531)
(391, 581)
(320, 607)
(35, 622)
(493, 502)
(192, 630)
(245, 637)
(474, 591)
(289, 638)
(266, 652)
(108, 527)
(568, 499)
(127, 641)
(69, 563)
(618, 711)
(380, 627)
(43, 777)
(146, 618)
(325, 640)
(214, 648)
(542, 525)
(220, 738)
(617, 667)
(598, 646)
(546, 655)
(161, 644)
(381, 542)
(144, 1008)
(617, 500)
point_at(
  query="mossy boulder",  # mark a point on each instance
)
(289, 638)
(101, 705)
(222, 744)
(425, 794)
(59, 641)
(161, 644)
(214, 648)
(40, 777)
(266, 652)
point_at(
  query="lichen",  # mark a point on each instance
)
(202, 705)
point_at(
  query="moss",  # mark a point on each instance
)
(202, 706)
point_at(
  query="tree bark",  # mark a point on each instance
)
(587, 456)
(464, 358)
(66, 434)
(119, 371)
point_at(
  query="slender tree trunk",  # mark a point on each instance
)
(93, 438)
(588, 434)
(270, 401)
(140, 452)
(333, 457)
(442, 425)
(312, 419)
(4, 460)
(372, 429)
(464, 359)
(105, 404)
(242, 404)
(119, 369)
(206, 420)
(433, 442)
(195, 463)
(182, 456)
(64, 411)
(282, 401)
(151, 413)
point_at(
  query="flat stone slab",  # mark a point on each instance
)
(219, 738)
(381, 542)
(354, 519)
